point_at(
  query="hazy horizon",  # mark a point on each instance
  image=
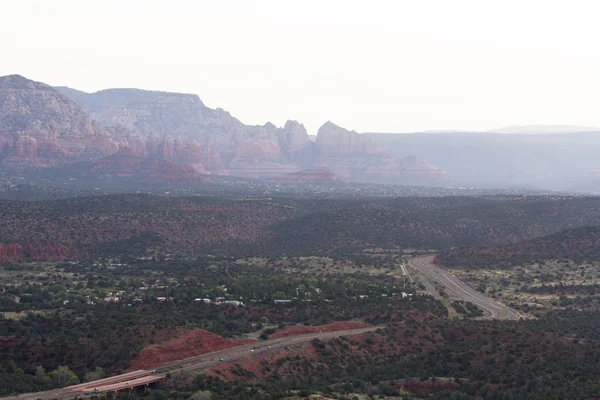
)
(382, 67)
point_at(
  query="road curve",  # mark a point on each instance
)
(434, 273)
(201, 362)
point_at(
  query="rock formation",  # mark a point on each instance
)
(352, 156)
(332, 139)
(136, 147)
(259, 148)
(49, 146)
(293, 138)
(27, 106)
(152, 144)
(320, 176)
(144, 112)
(25, 147)
(140, 169)
(420, 170)
(105, 144)
(166, 149)
(41, 126)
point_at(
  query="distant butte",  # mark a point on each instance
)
(43, 127)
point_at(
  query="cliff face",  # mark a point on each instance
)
(29, 107)
(293, 138)
(332, 139)
(226, 142)
(41, 126)
(355, 157)
(144, 112)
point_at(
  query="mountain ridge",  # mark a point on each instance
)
(42, 127)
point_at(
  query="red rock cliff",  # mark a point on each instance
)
(332, 139)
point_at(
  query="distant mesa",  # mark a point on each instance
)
(332, 139)
(43, 127)
(544, 129)
(34, 108)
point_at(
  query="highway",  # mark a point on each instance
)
(433, 273)
(132, 379)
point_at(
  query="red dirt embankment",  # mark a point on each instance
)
(190, 344)
(12, 252)
(333, 327)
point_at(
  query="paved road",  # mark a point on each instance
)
(434, 273)
(212, 359)
(204, 361)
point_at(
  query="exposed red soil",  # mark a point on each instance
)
(334, 327)
(306, 360)
(317, 176)
(191, 343)
(13, 252)
(253, 368)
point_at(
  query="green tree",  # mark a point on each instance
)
(98, 373)
(63, 376)
(202, 395)
(40, 372)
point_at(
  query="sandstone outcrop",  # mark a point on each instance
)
(105, 144)
(259, 148)
(259, 159)
(354, 157)
(136, 147)
(166, 149)
(41, 127)
(332, 139)
(418, 169)
(152, 144)
(25, 147)
(259, 168)
(321, 175)
(293, 138)
(27, 107)
(49, 146)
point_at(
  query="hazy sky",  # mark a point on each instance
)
(386, 66)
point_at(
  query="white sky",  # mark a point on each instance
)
(383, 66)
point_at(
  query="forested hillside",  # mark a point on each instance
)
(579, 244)
(138, 224)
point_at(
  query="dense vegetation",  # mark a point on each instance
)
(579, 244)
(132, 270)
(555, 357)
(137, 224)
(102, 314)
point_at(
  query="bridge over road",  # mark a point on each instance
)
(146, 377)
